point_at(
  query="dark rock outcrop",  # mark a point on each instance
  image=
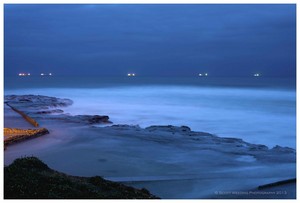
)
(95, 119)
(83, 119)
(234, 146)
(36, 102)
(36, 107)
(50, 111)
(278, 183)
(283, 149)
(125, 127)
(258, 147)
(30, 178)
(169, 128)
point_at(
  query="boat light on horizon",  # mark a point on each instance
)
(45, 74)
(24, 74)
(131, 74)
(203, 74)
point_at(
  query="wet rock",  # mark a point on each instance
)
(231, 140)
(42, 107)
(84, 119)
(25, 100)
(185, 128)
(125, 127)
(50, 111)
(169, 128)
(283, 149)
(95, 119)
(258, 147)
(36, 102)
(278, 183)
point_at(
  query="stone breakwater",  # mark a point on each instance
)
(26, 117)
(14, 135)
(34, 108)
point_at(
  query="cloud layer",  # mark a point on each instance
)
(162, 40)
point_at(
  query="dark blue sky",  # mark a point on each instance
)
(111, 40)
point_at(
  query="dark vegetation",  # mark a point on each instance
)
(30, 178)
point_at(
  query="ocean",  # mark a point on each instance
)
(257, 109)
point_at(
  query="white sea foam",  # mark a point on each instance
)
(263, 116)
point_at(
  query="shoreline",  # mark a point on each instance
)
(258, 116)
(180, 158)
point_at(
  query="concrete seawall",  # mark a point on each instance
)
(14, 135)
(25, 116)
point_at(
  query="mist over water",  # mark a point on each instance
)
(257, 113)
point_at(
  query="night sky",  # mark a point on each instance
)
(150, 40)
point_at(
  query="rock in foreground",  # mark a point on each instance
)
(29, 178)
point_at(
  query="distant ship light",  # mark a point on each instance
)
(131, 74)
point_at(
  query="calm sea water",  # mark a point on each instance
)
(258, 110)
